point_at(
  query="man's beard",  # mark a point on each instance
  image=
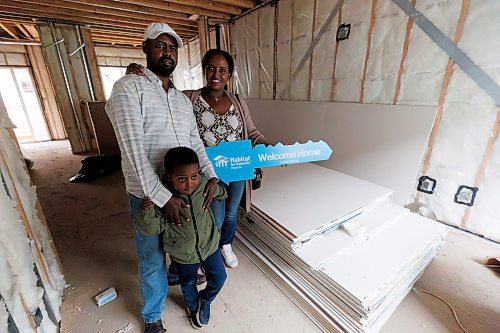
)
(158, 68)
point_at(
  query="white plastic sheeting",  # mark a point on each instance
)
(188, 73)
(4, 316)
(322, 61)
(351, 52)
(425, 62)
(247, 58)
(18, 282)
(385, 53)
(468, 114)
(302, 26)
(283, 46)
(266, 52)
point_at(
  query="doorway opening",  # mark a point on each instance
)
(21, 101)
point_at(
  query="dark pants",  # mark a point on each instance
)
(216, 276)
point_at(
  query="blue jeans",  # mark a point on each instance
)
(226, 211)
(152, 269)
(216, 276)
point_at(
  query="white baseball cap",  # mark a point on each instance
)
(157, 28)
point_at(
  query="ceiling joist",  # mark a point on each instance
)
(115, 21)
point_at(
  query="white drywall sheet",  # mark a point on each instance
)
(382, 144)
(385, 52)
(367, 270)
(425, 63)
(323, 54)
(306, 198)
(332, 244)
(351, 52)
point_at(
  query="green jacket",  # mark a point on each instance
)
(192, 241)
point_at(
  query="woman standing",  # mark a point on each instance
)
(221, 115)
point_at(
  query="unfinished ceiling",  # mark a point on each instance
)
(116, 22)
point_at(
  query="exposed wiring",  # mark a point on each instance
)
(451, 307)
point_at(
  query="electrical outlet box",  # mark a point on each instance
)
(426, 184)
(343, 31)
(465, 195)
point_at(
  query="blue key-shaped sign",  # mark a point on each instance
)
(237, 160)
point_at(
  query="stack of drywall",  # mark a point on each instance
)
(344, 283)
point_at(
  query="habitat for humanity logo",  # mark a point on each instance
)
(221, 161)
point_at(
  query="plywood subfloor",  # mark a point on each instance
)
(93, 235)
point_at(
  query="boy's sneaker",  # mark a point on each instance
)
(203, 314)
(229, 256)
(193, 319)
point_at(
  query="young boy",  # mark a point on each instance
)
(195, 241)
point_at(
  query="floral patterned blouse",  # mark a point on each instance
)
(214, 127)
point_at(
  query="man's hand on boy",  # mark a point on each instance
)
(172, 210)
(209, 192)
(134, 68)
(146, 203)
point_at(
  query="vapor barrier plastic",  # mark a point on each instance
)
(456, 156)
(351, 52)
(425, 63)
(302, 24)
(483, 218)
(266, 54)
(240, 76)
(284, 45)
(385, 53)
(323, 55)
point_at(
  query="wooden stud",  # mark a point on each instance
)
(313, 28)
(179, 8)
(10, 29)
(93, 69)
(219, 6)
(336, 51)
(24, 31)
(484, 162)
(406, 43)
(99, 12)
(23, 6)
(32, 30)
(238, 3)
(367, 54)
(134, 8)
(444, 88)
